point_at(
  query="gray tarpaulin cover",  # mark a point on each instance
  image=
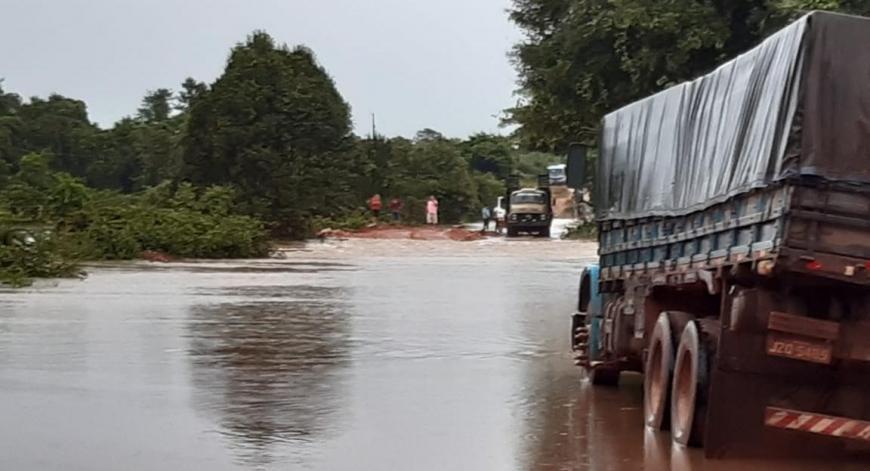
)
(798, 104)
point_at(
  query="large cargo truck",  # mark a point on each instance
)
(734, 230)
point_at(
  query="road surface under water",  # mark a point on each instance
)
(343, 355)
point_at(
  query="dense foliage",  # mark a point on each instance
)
(23, 258)
(274, 126)
(50, 219)
(184, 222)
(584, 58)
(209, 170)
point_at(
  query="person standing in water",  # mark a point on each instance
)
(486, 215)
(396, 209)
(432, 210)
(375, 206)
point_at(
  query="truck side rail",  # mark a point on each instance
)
(747, 227)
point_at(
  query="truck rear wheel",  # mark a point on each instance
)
(689, 388)
(658, 374)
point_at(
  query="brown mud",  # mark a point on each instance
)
(398, 232)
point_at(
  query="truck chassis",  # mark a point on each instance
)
(749, 319)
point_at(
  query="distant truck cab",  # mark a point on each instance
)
(557, 175)
(529, 211)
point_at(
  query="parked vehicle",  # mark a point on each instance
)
(499, 213)
(557, 175)
(734, 268)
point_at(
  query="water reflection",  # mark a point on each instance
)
(363, 355)
(574, 426)
(271, 371)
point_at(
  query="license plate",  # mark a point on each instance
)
(795, 348)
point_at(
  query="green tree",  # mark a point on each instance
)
(59, 126)
(27, 193)
(157, 148)
(488, 153)
(273, 125)
(67, 195)
(156, 105)
(10, 128)
(9, 102)
(489, 188)
(372, 163)
(584, 58)
(142, 152)
(190, 91)
(428, 134)
(433, 167)
(115, 166)
(530, 164)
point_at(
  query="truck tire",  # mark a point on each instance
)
(545, 232)
(511, 232)
(658, 375)
(689, 387)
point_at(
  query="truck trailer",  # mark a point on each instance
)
(734, 248)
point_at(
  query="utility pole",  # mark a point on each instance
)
(374, 129)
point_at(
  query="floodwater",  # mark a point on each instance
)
(343, 355)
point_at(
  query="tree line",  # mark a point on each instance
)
(581, 59)
(214, 170)
(274, 128)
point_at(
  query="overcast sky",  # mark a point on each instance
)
(414, 63)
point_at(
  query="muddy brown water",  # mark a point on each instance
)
(344, 355)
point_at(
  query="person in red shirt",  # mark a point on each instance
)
(375, 205)
(396, 209)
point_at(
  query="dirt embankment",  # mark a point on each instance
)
(456, 233)
(155, 256)
(563, 201)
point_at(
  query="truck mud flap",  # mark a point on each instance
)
(785, 365)
(752, 415)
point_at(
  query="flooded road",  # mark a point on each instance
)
(344, 355)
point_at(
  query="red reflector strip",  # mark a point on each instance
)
(814, 265)
(821, 424)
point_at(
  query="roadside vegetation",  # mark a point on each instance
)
(581, 59)
(50, 220)
(24, 257)
(217, 170)
(583, 231)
